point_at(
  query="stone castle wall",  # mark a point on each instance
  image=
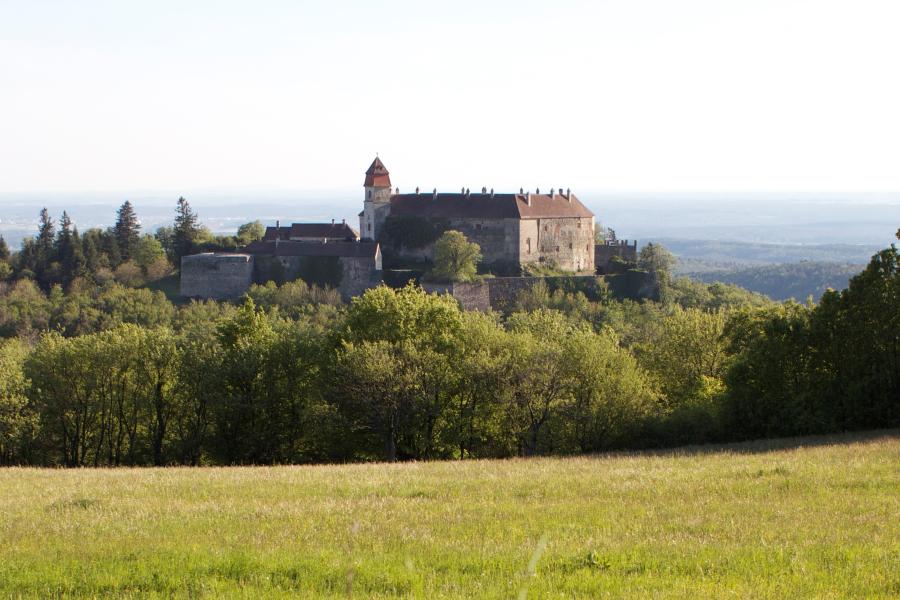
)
(217, 276)
(502, 293)
(567, 243)
(605, 253)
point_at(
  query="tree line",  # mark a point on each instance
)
(292, 375)
(60, 255)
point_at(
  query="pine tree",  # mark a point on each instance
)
(45, 248)
(127, 230)
(4, 250)
(186, 229)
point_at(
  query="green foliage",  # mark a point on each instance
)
(785, 281)
(119, 375)
(455, 258)
(250, 232)
(127, 230)
(16, 417)
(186, 232)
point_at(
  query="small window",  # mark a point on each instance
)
(368, 227)
(369, 194)
(587, 248)
(546, 228)
(570, 245)
(528, 246)
(557, 248)
(579, 224)
(478, 227)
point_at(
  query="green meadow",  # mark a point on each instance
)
(798, 518)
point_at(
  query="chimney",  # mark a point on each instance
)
(467, 192)
(332, 222)
(434, 194)
(569, 195)
(492, 192)
(417, 190)
(343, 221)
(528, 198)
(552, 192)
(484, 190)
(537, 190)
(521, 190)
(397, 190)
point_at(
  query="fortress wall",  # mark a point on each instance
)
(566, 242)
(497, 238)
(501, 293)
(358, 275)
(604, 254)
(217, 276)
(471, 296)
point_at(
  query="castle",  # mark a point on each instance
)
(516, 233)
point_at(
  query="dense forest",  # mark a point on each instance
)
(787, 280)
(97, 369)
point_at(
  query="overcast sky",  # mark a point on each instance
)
(637, 95)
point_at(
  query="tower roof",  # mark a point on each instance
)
(377, 175)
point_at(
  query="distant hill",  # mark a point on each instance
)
(787, 280)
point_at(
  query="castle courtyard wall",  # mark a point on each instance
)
(216, 276)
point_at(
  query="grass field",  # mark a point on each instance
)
(786, 519)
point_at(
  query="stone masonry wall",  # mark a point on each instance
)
(567, 243)
(217, 276)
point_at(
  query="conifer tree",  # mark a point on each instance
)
(127, 230)
(186, 228)
(4, 250)
(45, 247)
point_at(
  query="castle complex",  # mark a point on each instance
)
(513, 230)
(517, 232)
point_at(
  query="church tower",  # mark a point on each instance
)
(377, 202)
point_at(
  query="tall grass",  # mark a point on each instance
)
(817, 519)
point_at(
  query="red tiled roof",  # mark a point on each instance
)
(333, 231)
(293, 248)
(377, 175)
(486, 206)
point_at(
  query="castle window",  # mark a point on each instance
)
(368, 227)
(557, 248)
(587, 248)
(579, 224)
(369, 194)
(570, 245)
(528, 245)
(546, 228)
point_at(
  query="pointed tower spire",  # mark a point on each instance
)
(377, 175)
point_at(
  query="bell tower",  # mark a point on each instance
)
(377, 201)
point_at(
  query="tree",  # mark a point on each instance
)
(127, 230)
(16, 418)
(186, 230)
(148, 250)
(45, 249)
(250, 232)
(69, 250)
(659, 262)
(4, 250)
(455, 258)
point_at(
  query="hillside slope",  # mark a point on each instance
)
(789, 518)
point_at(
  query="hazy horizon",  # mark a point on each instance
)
(636, 95)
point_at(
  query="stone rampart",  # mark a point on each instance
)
(218, 276)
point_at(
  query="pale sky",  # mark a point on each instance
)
(632, 95)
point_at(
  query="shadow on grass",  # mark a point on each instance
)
(766, 445)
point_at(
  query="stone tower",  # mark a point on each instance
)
(377, 202)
